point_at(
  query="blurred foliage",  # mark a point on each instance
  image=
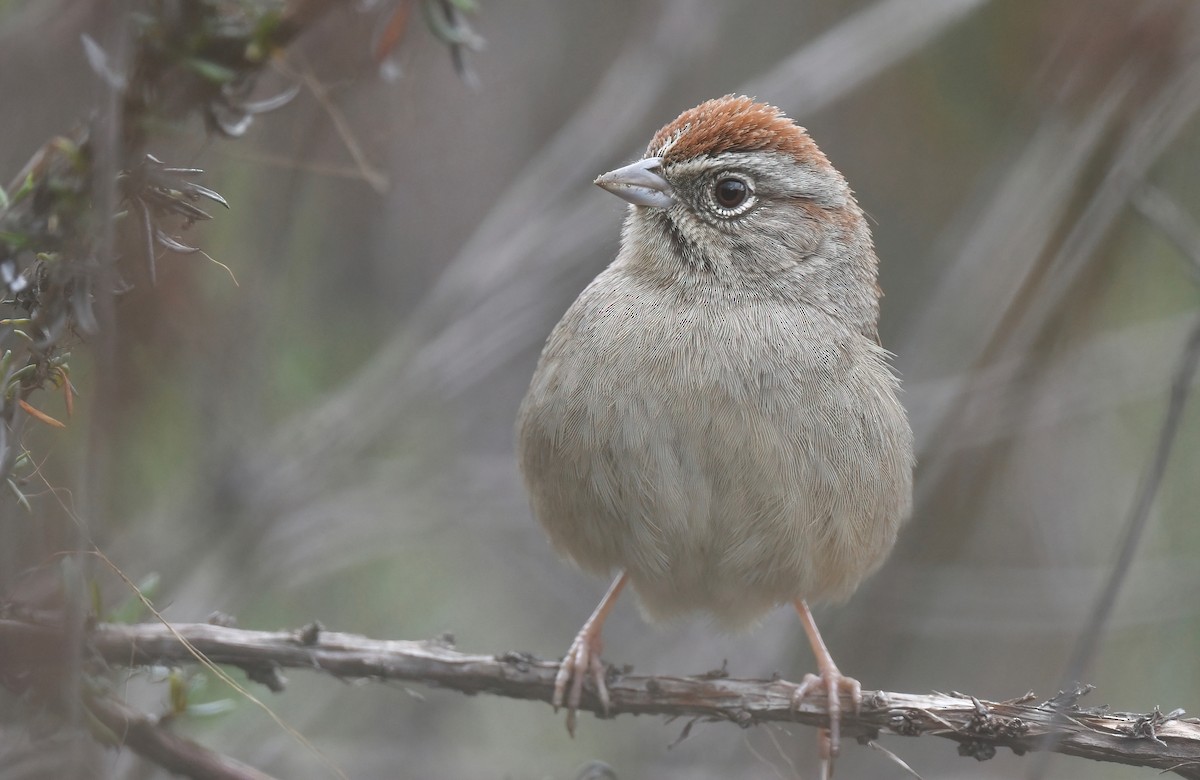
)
(58, 252)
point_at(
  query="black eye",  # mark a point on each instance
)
(731, 192)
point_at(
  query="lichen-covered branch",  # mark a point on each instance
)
(1162, 741)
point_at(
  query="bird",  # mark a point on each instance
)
(714, 419)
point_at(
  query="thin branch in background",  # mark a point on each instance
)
(1029, 309)
(108, 159)
(895, 759)
(1176, 224)
(857, 50)
(288, 163)
(753, 751)
(149, 738)
(1153, 204)
(1180, 229)
(368, 172)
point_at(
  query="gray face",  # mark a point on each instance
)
(772, 177)
(749, 212)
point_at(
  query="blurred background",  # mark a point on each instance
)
(330, 437)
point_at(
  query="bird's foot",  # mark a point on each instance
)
(582, 660)
(832, 683)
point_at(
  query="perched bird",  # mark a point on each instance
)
(714, 418)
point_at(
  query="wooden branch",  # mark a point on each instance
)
(147, 737)
(1162, 741)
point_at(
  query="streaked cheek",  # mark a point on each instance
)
(790, 230)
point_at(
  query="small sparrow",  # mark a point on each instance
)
(714, 418)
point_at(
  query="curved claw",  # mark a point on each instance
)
(581, 660)
(833, 683)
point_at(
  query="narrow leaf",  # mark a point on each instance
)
(39, 415)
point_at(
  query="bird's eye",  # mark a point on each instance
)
(732, 195)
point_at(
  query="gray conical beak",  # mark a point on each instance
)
(641, 183)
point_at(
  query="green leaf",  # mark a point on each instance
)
(177, 686)
(25, 188)
(218, 74)
(3, 200)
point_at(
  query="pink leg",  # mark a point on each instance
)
(584, 658)
(829, 678)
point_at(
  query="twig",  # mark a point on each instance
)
(366, 170)
(147, 737)
(1153, 740)
(1087, 643)
(1180, 228)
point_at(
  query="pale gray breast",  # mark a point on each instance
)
(724, 456)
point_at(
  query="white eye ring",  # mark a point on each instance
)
(732, 194)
